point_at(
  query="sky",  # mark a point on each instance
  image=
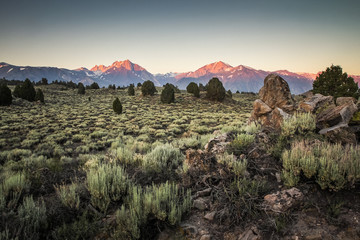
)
(181, 36)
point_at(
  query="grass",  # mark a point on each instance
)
(44, 147)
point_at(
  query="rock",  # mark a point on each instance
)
(218, 144)
(276, 92)
(203, 193)
(199, 159)
(344, 100)
(189, 229)
(337, 115)
(281, 201)
(278, 116)
(260, 108)
(340, 134)
(210, 216)
(250, 234)
(317, 102)
(275, 103)
(200, 204)
(205, 237)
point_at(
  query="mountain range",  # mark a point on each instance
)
(122, 73)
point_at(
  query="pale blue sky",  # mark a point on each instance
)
(179, 36)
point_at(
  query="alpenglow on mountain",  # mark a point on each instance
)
(122, 73)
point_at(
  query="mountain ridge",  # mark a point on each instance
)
(123, 73)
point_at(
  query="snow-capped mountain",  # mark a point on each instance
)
(241, 78)
(122, 73)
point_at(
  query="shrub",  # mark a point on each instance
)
(32, 218)
(241, 143)
(163, 158)
(298, 124)
(131, 90)
(229, 93)
(167, 94)
(81, 89)
(68, 195)
(215, 90)
(164, 202)
(94, 85)
(335, 83)
(117, 107)
(5, 95)
(17, 91)
(106, 183)
(39, 95)
(333, 166)
(194, 89)
(238, 167)
(148, 88)
(26, 91)
(12, 188)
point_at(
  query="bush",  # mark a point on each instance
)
(81, 89)
(215, 90)
(194, 89)
(167, 94)
(164, 202)
(131, 90)
(106, 183)
(117, 107)
(12, 188)
(335, 83)
(298, 124)
(163, 158)
(32, 218)
(26, 91)
(94, 85)
(39, 95)
(238, 167)
(17, 91)
(332, 166)
(229, 93)
(68, 195)
(241, 143)
(5, 95)
(148, 88)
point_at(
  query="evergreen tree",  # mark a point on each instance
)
(94, 85)
(44, 81)
(168, 94)
(229, 93)
(215, 90)
(5, 95)
(39, 95)
(131, 90)
(117, 107)
(27, 91)
(335, 83)
(81, 88)
(17, 91)
(194, 89)
(139, 85)
(148, 88)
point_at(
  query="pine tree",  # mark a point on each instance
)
(27, 91)
(168, 94)
(5, 95)
(17, 91)
(117, 107)
(215, 90)
(194, 89)
(94, 85)
(148, 88)
(39, 95)
(131, 90)
(81, 88)
(335, 83)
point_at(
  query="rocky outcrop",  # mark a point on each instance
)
(275, 103)
(282, 201)
(336, 115)
(344, 100)
(316, 102)
(218, 144)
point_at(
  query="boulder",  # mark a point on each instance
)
(275, 103)
(282, 201)
(218, 144)
(340, 133)
(200, 204)
(276, 92)
(317, 102)
(344, 100)
(337, 115)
